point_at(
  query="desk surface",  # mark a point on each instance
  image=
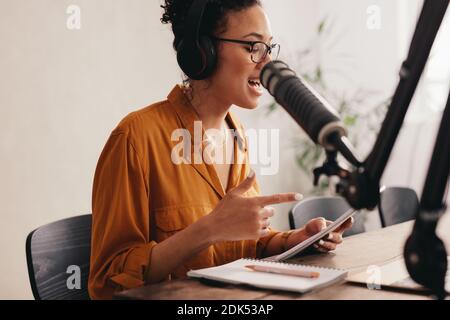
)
(357, 252)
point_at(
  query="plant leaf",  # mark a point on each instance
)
(272, 107)
(321, 26)
(350, 120)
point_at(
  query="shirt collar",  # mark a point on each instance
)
(187, 115)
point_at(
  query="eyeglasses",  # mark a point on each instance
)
(258, 49)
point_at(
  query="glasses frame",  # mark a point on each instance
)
(269, 48)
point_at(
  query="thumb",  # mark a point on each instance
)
(346, 225)
(315, 226)
(246, 184)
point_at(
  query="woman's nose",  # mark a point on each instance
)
(266, 60)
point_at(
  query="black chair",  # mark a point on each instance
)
(56, 253)
(397, 205)
(329, 208)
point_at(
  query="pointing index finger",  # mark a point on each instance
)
(278, 198)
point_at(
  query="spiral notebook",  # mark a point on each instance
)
(236, 273)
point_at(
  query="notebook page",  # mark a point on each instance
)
(236, 273)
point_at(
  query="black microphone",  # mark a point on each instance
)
(311, 111)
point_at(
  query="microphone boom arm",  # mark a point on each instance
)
(430, 19)
(425, 254)
(361, 187)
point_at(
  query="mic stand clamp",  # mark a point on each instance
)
(359, 190)
(330, 167)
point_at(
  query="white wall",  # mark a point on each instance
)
(63, 91)
(411, 155)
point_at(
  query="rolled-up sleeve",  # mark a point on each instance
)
(262, 243)
(121, 246)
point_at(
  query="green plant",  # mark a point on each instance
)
(360, 123)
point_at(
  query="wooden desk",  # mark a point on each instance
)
(357, 252)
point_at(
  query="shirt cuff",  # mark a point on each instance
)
(135, 268)
(262, 242)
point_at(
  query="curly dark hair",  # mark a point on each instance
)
(214, 18)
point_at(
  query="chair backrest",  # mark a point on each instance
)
(58, 259)
(397, 205)
(329, 208)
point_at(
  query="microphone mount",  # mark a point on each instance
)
(425, 254)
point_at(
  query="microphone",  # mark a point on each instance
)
(310, 110)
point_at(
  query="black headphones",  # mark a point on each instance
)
(196, 53)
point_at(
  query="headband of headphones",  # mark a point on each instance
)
(194, 20)
(196, 54)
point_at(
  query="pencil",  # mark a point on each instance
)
(290, 272)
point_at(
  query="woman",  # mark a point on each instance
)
(156, 216)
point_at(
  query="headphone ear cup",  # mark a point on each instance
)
(197, 60)
(210, 56)
(188, 58)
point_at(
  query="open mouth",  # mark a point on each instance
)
(255, 87)
(254, 83)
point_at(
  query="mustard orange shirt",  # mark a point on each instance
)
(141, 197)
